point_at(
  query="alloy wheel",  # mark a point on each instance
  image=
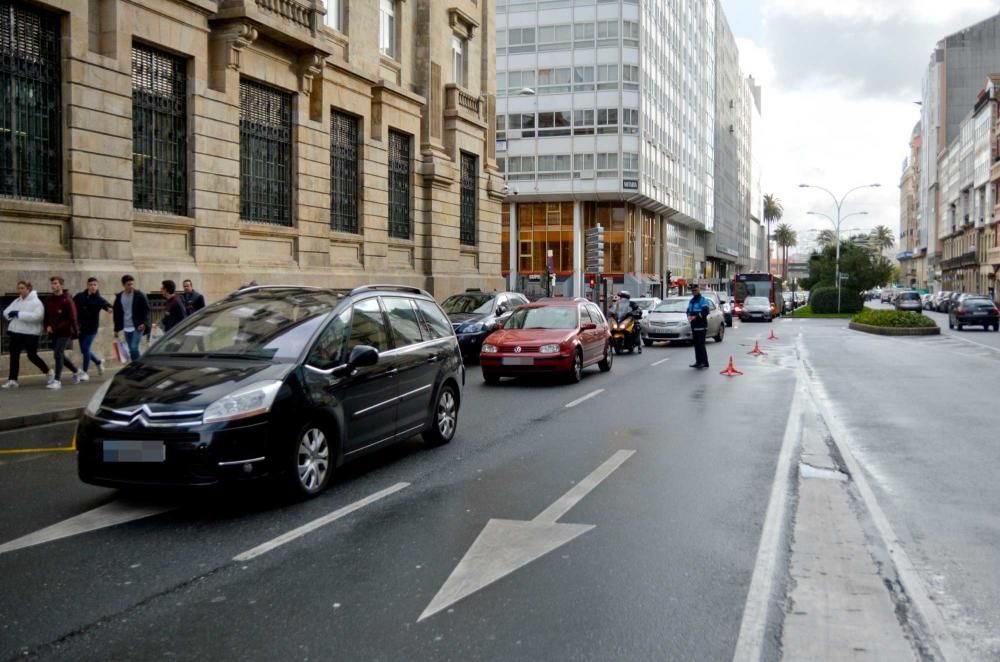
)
(446, 415)
(313, 460)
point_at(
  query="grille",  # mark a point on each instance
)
(30, 104)
(524, 348)
(470, 172)
(399, 185)
(265, 154)
(343, 172)
(145, 417)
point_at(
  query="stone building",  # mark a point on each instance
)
(281, 141)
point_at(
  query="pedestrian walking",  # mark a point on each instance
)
(697, 312)
(193, 301)
(89, 305)
(131, 315)
(62, 326)
(174, 310)
(24, 325)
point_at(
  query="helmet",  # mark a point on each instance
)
(624, 294)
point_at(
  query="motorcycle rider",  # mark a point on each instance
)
(625, 307)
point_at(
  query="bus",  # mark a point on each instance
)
(758, 284)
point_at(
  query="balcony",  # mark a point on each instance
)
(993, 256)
(295, 23)
(460, 103)
(967, 259)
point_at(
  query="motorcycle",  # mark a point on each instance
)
(625, 331)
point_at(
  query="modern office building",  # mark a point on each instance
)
(330, 144)
(606, 115)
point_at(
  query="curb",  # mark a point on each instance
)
(896, 330)
(31, 420)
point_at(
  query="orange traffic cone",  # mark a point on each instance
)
(772, 336)
(730, 370)
(756, 350)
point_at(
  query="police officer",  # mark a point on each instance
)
(697, 312)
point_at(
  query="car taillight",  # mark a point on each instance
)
(995, 312)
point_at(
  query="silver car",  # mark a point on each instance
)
(909, 300)
(756, 308)
(668, 321)
(646, 304)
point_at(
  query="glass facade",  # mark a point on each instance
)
(541, 227)
(265, 154)
(505, 238)
(619, 222)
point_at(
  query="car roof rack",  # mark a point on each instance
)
(383, 287)
(254, 288)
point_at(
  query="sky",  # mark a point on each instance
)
(839, 83)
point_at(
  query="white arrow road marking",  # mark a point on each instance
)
(505, 545)
(570, 405)
(111, 514)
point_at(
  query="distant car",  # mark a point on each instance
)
(909, 300)
(939, 299)
(646, 303)
(720, 300)
(926, 300)
(668, 321)
(474, 315)
(559, 337)
(885, 296)
(974, 311)
(757, 309)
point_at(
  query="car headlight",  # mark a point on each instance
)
(95, 401)
(725, 308)
(489, 349)
(549, 349)
(474, 327)
(249, 401)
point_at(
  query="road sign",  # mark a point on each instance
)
(593, 249)
(843, 276)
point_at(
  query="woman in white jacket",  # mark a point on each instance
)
(24, 324)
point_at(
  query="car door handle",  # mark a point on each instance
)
(392, 371)
(432, 359)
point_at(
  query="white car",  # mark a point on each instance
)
(646, 304)
(668, 321)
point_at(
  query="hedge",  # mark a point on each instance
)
(823, 300)
(892, 318)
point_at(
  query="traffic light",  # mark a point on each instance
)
(594, 250)
(593, 282)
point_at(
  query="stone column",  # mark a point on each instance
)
(578, 247)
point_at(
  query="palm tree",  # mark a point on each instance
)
(883, 238)
(826, 238)
(785, 237)
(773, 211)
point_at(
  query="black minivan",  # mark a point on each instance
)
(277, 382)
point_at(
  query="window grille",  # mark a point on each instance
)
(159, 131)
(343, 172)
(400, 225)
(30, 103)
(470, 176)
(265, 154)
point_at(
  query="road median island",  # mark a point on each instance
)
(894, 323)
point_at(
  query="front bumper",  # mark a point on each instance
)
(471, 343)
(666, 333)
(540, 364)
(199, 457)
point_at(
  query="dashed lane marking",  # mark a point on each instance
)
(309, 527)
(659, 362)
(570, 405)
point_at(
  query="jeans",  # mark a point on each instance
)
(700, 353)
(86, 342)
(24, 342)
(132, 338)
(59, 354)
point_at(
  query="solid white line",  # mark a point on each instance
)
(582, 489)
(659, 362)
(912, 583)
(974, 342)
(584, 398)
(750, 644)
(317, 523)
(110, 514)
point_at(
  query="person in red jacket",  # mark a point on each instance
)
(61, 325)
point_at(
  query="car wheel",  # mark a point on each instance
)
(959, 326)
(576, 372)
(722, 333)
(951, 325)
(445, 418)
(647, 342)
(311, 472)
(617, 345)
(996, 327)
(490, 378)
(608, 360)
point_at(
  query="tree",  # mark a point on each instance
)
(864, 269)
(826, 238)
(883, 238)
(773, 211)
(785, 237)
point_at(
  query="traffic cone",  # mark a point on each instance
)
(756, 350)
(730, 370)
(772, 336)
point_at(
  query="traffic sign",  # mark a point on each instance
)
(593, 250)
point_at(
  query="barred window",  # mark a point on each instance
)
(30, 103)
(343, 172)
(159, 131)
(470, 179)
(400, 225)
(265, 154)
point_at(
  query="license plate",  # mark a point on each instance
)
(518, 360)
(979, 312)
(134, 451)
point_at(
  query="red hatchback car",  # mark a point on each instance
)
(551, 337)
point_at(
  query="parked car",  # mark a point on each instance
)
(926, 300)
(885, 296)
(909, 300)
(284, 383)
(950, 301)
(474, 315)
(974, 310)
(646, 304)
(668, 321)
(559, 337)
(720, 300)
(939, 300)
(757, 308)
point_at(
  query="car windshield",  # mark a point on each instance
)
(978, 303)
(909, 295)
(548, 317)
(468, 303)
(645, 304)
(672, 306)
(258, 325)
(757, 301)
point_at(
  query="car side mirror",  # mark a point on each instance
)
(588, 326)
(363, 356)
(501, 310)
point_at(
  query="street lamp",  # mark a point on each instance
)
(839, 204)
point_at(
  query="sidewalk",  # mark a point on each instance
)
(33, 404)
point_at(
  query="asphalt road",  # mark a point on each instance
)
(663, 573)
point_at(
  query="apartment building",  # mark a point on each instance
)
(911, 256)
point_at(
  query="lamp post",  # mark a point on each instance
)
(839, 203)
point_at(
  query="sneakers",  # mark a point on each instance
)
(54, 384)
(52, 376)
(80, 376)
(100, 369)
(10, 383)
